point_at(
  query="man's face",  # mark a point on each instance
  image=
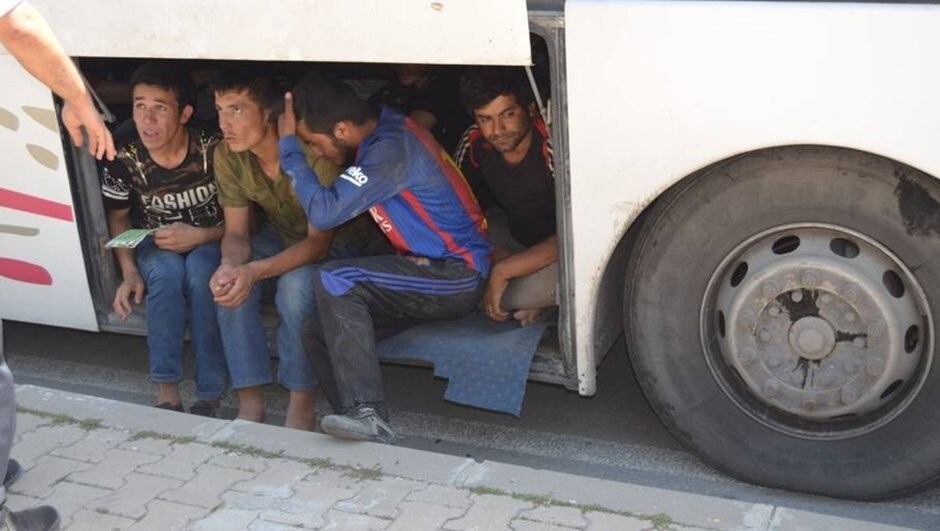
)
(242, 121)
(336, 150)
(503, 122)
(157, 116)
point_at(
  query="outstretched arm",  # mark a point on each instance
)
(28, 37)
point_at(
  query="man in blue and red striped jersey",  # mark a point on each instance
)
(420, 200)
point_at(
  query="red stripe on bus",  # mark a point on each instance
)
(35, 205)
(24, 272)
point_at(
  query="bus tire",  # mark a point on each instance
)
(778, 313)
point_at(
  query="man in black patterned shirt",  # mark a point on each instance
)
(162, 179)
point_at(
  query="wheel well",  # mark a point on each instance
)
(923, 215)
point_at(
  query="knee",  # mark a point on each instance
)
(295, 292)
(200, 266)
(164, 272)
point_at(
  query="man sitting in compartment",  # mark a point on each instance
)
(507, 158)
(422, 203)
(283, 251)
(162, 179)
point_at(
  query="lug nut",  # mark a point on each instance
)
(875, 367)
(747, 355)
(766, 336)
(746, 320)
(769, 289)
(850, 292)
(809, 404)
(771, 387)
(773, 311)
(809, 280)
(774, 360)
(859, 342)
(796, 295)
(876, 328)
(849, 396)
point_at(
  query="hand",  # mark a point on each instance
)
(231, 285)
(286, 122)
(178, 237)
(132, 284)
(83, 113)
(492, 297)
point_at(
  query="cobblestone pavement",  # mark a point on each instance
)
(113, 465)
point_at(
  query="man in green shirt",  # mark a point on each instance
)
(279, 256)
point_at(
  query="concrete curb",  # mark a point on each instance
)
(683, 508)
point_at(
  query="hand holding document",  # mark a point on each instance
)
(128, 239)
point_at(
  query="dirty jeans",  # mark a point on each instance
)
(360, 297)
(177, 288)
(7, 416)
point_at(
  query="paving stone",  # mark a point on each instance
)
(42, 478)
(787, 518)
(615, 522)
(70, 498)
(182, 460)
(335, 478)
(488, 512)
(442, 495)
(110, 473)
(276, 480)
(89, 520)
(93, 448)
(307, 507)
(43, 440)
(563, 516)
(148, 446)
(18, 502)
(226, 520)
(205, 490)
(343, 521)
(27, 422)
(131, 501)
(380, 498)
(264, 525)
(168, 516)
(239, 461)
(529, 525)
(421, 515)
(241, 501)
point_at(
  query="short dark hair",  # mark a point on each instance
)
(166, 76)
(266, 92)
(322, 100)
(481, 85)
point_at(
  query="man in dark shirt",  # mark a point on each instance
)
(162, 179)
(507, 158)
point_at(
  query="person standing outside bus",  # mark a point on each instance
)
(163, 180)
(419, 199)
(28, 37)
(507, 157)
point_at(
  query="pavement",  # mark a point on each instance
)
(108, 465)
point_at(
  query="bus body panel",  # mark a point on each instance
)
(404, 31)
(659, 90)
(42, 269)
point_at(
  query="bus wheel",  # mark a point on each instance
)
(778, 314)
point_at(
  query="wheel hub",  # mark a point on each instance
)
(817, 322)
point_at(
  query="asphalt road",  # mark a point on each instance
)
(613, 435)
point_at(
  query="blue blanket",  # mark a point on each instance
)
(486, 363)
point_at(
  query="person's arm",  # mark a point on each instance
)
(132, 283)
(181, 237)
(28, 37)
(517, 265)
(311, 249)
(356, 190)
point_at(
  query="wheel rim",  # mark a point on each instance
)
(816, 331)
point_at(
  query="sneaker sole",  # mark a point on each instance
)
(343, 430)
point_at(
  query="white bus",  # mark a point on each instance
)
(746, 193)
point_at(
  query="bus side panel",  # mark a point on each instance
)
(42, 270)
(658, 90)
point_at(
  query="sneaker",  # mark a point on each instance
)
(364, 423)
(170, 407)
(14, 471)
(205, 408)
(42, 518)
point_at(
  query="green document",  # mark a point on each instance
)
(128, 239)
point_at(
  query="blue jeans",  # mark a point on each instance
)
(243, 337)
(177, 286)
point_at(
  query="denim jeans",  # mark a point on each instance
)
(177, 287)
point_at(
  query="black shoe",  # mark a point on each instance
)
(14, 471)
(205, 408)
(363, 423)
(42, 518)
(170, 407)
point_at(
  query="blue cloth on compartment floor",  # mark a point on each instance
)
(486, 363)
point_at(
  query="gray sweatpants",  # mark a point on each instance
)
(7, 416)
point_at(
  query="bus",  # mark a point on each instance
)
(746, 193)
